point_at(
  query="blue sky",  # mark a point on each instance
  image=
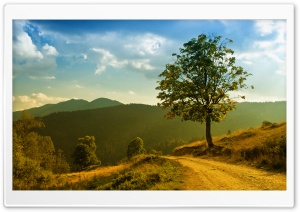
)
(55, 60)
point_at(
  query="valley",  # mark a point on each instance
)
(249, 151)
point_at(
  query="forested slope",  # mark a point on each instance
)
(114, 127)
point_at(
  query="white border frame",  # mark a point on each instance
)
(147, 198)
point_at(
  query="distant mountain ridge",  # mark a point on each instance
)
(68, 106)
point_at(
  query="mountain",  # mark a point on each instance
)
(70, 105)
(115, 127)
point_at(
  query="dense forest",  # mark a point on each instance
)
(114, 127)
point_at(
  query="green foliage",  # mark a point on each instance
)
(61, 165)
(27, 124)
(115, 126)
(144, 172)
(85, 153)
(195, 87)
(266, 124)
(89, 141)
(154, 152)
(147, 173)
(135, 147)
(34, 157)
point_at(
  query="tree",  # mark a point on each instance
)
(196, 86)
(85, 152)
(61, 165)
(135, 147)
(229, 132)
(33, 154)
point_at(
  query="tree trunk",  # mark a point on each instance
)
(208, 132)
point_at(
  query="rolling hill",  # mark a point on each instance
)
(114, 127)
(70, 105)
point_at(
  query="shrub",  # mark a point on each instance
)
(85, 153)
(266, 124)
(154, 152)
(135, 147)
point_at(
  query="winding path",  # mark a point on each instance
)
(203, 174)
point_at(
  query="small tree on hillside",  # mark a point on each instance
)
(85, 152)
(195, 87)
(34, 157)
(135, 147)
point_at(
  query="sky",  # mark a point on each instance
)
(59, 60)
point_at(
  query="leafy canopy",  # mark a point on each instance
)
(135, 147)
(85, 153)
(34, 156)
(197, 84)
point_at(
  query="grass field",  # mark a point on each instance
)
(263, 147)
(142, 172)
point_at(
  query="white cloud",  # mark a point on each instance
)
(34, 100)
(271, 27)
(247, 62)
(78, 86)
(248, 56)
(100, 69)
(265, 27)
(131, 92)
(27, 58)
(263, 44)
(84, 56)
(50, 50)
(252, 57)
(254, 97)
(23, 47)
(40, 96)
(264, 49)
(107, 59)
(42, 77)
(142, 64)
(145, 44)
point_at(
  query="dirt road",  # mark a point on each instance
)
(203, 174)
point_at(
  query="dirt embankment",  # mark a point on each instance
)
(204, 174)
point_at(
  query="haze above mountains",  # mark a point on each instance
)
(70, 105)
(77, 105)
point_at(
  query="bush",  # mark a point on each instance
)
(85, 153)
(266, 124)
(135, 147)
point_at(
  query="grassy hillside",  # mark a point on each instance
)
(142, 172)
(114, 127)
(70, 105)
(263, 147)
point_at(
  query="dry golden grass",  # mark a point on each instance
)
(87, 175)
(261, 146)
(143, 172)
(103, 171)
